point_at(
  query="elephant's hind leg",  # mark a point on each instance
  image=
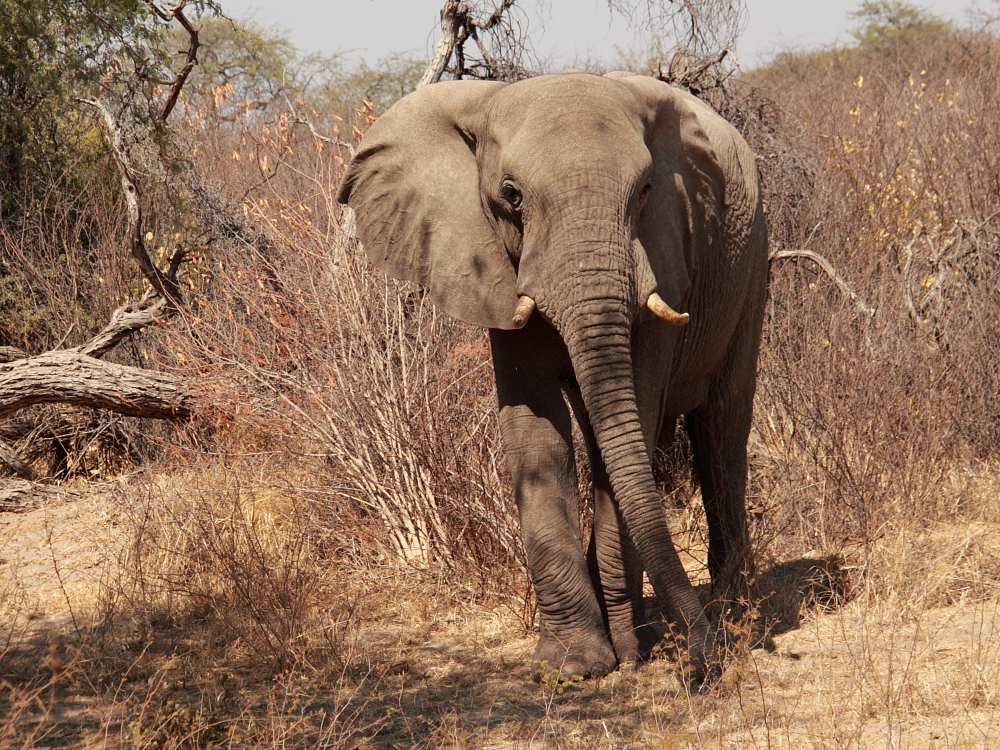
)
(720, 461)
(535, 425)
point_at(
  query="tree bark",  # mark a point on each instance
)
(9, 457)
(71, 377)
(451, 22)
(20, 496)
(151, 310)
(10, 353)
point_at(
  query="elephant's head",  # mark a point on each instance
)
(587, 196)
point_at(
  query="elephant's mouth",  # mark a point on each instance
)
(637, 262)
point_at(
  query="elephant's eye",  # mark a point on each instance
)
(643, 195)
(511, 195)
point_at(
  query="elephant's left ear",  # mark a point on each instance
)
(414, 185)
(683, 133)
(689, 144)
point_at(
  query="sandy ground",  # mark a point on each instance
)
(857, 676)
(53, 560)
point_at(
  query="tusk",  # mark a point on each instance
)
(525, 306)
(664, 312)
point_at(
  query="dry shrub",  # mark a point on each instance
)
(225, 614)
(881, 418)
(317, 354)
(61, 266)
(208, 551)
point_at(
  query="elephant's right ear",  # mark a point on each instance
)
(414, 185)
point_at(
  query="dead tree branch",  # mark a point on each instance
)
(495, 18)
(21, 496)
(452, 20)
(71, 377)
(165, 286)
(693, 76)
(459, 23)
(698, 28)
(190, 59)
(13, 462)
(151, 310)
(830, 271)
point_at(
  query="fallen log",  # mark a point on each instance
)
(71, 377)
(21, 496)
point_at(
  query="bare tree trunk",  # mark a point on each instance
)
(20, 496)
(452, 20)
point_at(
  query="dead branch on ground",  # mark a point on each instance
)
(21, 496)
(71, 377)
(78, 377)
(13, 462)
(10, 353)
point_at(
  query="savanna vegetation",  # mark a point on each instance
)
(319, 549)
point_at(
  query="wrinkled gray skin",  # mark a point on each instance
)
(626, 186)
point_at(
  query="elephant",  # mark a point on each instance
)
(609, 232)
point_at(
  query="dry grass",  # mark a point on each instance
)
(330, 558)
(178, 654)
(875, 421)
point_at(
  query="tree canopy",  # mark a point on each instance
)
(883, 21)
(53, 52)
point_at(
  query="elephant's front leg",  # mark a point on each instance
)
(612, 559)
(719, 430)
(535, 425)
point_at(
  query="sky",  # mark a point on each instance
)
(569, 30)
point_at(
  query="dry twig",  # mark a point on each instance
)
(165, 286)
(458, 25)
(190, 59)
(830, 271)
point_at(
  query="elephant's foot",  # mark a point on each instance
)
(574, 655)
(730, 598)
(633, 645)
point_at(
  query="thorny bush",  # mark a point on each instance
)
(868, 418)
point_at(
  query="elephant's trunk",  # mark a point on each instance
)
(596, 328)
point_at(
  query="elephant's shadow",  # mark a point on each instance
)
(784, 594)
